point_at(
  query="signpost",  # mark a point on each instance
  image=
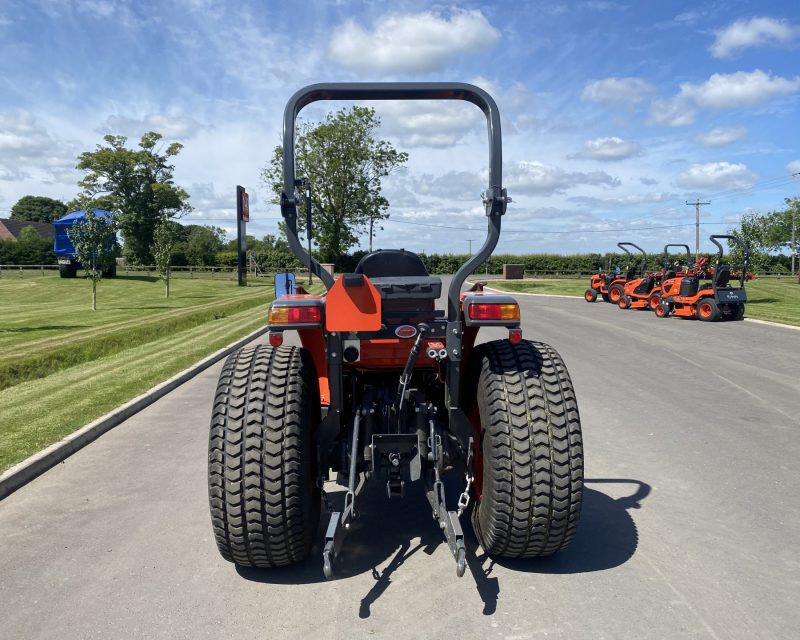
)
(242, 218)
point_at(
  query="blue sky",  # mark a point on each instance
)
(614, 113)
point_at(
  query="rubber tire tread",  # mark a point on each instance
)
(532, 450)
(264, 504)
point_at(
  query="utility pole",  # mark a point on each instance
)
(697, 204)
(470, 246)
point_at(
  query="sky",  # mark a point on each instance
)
(614, 114)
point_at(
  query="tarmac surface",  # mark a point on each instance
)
(689, 527)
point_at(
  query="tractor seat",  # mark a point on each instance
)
(399, 275)
(408, 291)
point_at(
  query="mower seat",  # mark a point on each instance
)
(408, 292)
(722, 276)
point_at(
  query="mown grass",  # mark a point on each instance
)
(36, 413)
(768, 298)
(46, 324)
(63, 365)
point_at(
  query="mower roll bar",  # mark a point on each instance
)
(495, 198)
(666, 253)
(630, 255)
(745, 254)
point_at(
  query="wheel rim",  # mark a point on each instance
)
(654, 302)
(615, 296)
(705, 310)
(588, 296)
(660, 311)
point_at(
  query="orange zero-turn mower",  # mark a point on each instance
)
(387, 390)
(709, 301)
(645, 292)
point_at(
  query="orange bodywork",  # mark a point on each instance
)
(353, 308)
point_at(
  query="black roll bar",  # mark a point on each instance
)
(494, 198)
(630, 255)
(666, 253)
(745, 255)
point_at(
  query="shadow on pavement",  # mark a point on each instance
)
(396, 530)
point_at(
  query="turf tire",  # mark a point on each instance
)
(653, 301)
(624, 302)
(661, 311)
(615, 292)
(532, 452)
(590, 295)
(707, 310)
(261, 477)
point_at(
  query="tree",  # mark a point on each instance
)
(345, 164)
(136, 183)
(93, 239)
(164, 239)
(766, 233)
(203, 244)
(38, 209)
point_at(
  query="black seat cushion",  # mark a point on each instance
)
(722, 276)
(391, 263)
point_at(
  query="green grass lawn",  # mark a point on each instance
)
(768, 298)
(63, 365)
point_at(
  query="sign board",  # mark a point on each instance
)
(245, 206)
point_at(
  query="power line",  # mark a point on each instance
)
(613, 230)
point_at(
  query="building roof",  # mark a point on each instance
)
(11, 229)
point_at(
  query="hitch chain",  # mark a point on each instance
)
(463, 499)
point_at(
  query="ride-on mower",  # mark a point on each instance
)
(611, 286)
(710, 301)
(386, 389)
(645, 292)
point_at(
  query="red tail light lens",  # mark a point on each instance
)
(295, 315)
(487, 311)
(276, 339)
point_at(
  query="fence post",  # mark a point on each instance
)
(20, 271)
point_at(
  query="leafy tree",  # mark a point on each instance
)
(164, 239)
(345, 163)
(138, 184)
(38, 209)
(93, 237)
(203, 244)
(766, 233)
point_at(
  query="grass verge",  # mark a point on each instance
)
(37, 413)
(768, 298)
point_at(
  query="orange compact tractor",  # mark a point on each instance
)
(388, 390)
(687, 297)
(611, 286)
(645, 292)
(637, 291)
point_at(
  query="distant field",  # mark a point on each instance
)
(62, 365)
(768, 298)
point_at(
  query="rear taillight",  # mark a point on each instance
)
(493, 311)
(295, 315)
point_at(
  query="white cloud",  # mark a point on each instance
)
(672, 112)
(716, 176)
(617, 90)
(610, 149)
(535, 178)
(739, 89)
(754, 32)
(793, 166)
(720, 136)
(428, 123)
(171, 127)
(411, 43)
(632, 199)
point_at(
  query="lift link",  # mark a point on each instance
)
(448, 520)
(463, 499)
(340, 522)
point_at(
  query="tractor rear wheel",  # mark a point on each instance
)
(530, 465)
(261, 478)
(653, 301)
(738, 313)
(590, 295)
(615, 292)
(707, 310)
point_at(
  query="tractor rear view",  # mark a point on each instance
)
(387, 389)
